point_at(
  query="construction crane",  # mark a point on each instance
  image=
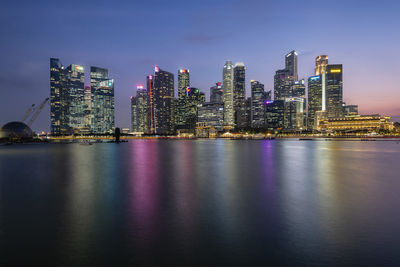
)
(28, 112)
(36, 114)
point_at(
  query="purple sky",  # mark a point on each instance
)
(130, 37)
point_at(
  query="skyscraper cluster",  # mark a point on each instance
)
(155, 110)
(76, 109)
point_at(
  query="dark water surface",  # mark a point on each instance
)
(204, 202)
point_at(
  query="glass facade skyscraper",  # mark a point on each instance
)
(291, 64)
(283, 84)
(314, 98)
(183, 82)
(334, 90)
(140, 106)
(102, 88)
(163, 101)
(216, 93)
(239, 95)
(227, 76)
(274, 114)
(258, 98)
(67, 98)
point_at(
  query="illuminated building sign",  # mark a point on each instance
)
(183, 70)
(314, 78)
(156, 69)
(139, 86)
(336, 71)
(269, 102)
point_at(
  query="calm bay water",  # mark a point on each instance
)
(203, 202)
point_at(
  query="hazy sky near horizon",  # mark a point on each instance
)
(130, 37)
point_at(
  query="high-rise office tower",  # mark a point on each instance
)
(163, 101)
(299, 89)
(58, 98)
(258, 98)
(294, 114)
(67, 98)
(274, 114)
(134, 117)
(314, 98)
(150, 92)
(249, 112)
(75, 77)
(216, 93)
(183, 82)
(102, 87)
(194, 98)
(142, 106)
(239, 95)
(334, 90)
(88, 108)
(283, 81)
(291, 64)
(211, 115)
(320, 64)
(229, 116)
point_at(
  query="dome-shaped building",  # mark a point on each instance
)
(16, 129)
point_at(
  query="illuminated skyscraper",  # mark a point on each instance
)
(274, 114)
(294, 114)
(150, 92)
(283, 84)
(229, 116)
(163, 101)
(299, 89)
(75, 85)
(102, 88)
(134, 117)
(239, 95)
(67, 98)
(258, 98)
(183, 82)
(211, 115)
(180, 103)
(320, 64)
(58, 98)
(291, 64)
(334, 90)
(194, 99)
(216, 93)
(88, 108)
(140, 110)
(314, 98)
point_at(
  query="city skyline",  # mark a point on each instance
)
(369, 76)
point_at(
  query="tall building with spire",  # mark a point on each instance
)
(227, 77)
